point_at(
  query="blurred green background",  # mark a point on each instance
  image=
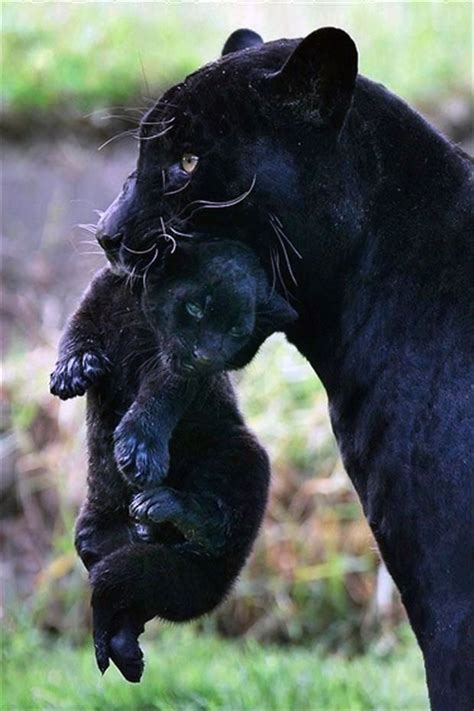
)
(314, 622)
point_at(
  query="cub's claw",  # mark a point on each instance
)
(140, 457)
(157, 506)
(74, 375)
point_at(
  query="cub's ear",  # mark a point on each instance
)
(318, 78)
(276, 314)
(241, 39)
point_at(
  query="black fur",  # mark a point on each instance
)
(170, 548)
(379, 206)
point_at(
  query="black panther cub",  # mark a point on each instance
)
(148, 356)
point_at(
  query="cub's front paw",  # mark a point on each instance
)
(141, 457)
(156, 506)
(74, 375)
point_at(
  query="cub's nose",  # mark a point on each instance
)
(201, 358)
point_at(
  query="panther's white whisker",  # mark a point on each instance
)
(282, 281)
(210, 204)
(138, 251)
(128, 132)
(285, 253)
(155, 135)
(179, 190)
(273, 271)
(88, 227)
(167, 236)
(278, 226)
(180, 234)
(145, 273)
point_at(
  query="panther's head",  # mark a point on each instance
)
(234, 149)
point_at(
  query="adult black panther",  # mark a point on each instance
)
(364, 214)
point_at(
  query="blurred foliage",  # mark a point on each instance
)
(192, 674)
(55, 55)
(89, 55)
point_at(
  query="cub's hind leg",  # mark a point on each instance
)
(202, 519)
(99, 533)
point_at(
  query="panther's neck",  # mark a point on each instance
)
(406, 168)
(397, 227)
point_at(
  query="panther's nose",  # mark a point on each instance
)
(201, 358)
(107, 241)
(111, 225)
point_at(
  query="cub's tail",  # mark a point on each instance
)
(146, 580)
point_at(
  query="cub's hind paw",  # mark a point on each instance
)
(74, 375)
(157, 506)
(141, 458)
(126, 654)
(116, 639)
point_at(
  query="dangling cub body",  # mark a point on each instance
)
(167, 535)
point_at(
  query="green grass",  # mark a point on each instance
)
(89, 55)
(190, 673)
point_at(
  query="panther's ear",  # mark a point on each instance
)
(276, 314)
(318, 78)
(241, 39)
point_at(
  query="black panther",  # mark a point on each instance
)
(364, 213)
(170, 535)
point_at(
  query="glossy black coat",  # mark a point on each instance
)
(380, 207)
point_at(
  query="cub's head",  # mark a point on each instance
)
(213, 308)
(240, 148)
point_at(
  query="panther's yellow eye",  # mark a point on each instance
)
(189, 163)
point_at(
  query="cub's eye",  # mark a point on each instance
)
(237, 332)
(194, 310)
(189, 163)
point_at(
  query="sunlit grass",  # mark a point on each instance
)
(186, 672)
